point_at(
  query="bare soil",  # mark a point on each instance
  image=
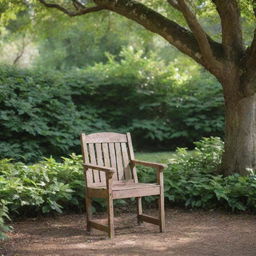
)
(188, 233)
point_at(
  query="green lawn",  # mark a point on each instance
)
(160, 157)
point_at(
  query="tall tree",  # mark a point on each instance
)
(230, 60)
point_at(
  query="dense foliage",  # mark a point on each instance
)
(3, 216)
(42, 113)
(45, 187)
(191, 181)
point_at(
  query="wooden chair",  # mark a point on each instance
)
(110, 173)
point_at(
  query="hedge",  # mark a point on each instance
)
(42, 113)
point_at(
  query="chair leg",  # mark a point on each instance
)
(139, 209)
(161, 212)
(88, 206)
(111, 232)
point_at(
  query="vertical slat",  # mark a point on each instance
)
(100, 161)
(112, 155)
(127, 169)
(88, 174)
(93, 161)
(120, 167)
(106, 157)
(131, 153)
(106, 154)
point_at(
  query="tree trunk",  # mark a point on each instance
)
(240, 135)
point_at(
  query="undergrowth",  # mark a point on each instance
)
(191, 181)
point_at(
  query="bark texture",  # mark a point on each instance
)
(240, 136)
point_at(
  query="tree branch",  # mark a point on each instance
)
(153, 21)
(250, 54)
(254, 7)
(200, 34)
(80, 11)
(20, 54)
(77, 4)
(248, 77)
(174, 4)
(176, 35)
(232, 39)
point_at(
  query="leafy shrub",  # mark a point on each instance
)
(38, 117)
(153, 105)
(196, 109)
(43, 187)
(3, 216)
(205, 158)
(42, 113)
(192, 180)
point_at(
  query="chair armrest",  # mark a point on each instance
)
(107, 170)
(161, 167)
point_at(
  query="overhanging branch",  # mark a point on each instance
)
(174, 4)
(79, 11)
(232, 40)
(200, 35)
(178, 36)
(175, 34)
(254, 7)
(248, 77)
(77, 4)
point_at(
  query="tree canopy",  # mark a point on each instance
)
(180, 22)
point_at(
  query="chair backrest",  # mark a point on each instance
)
(111, 150)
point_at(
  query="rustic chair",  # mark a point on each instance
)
(110, 173)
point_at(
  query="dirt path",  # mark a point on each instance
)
(188, 233)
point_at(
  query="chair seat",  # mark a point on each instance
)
(123, 190)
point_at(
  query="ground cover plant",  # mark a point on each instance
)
(191, 181)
